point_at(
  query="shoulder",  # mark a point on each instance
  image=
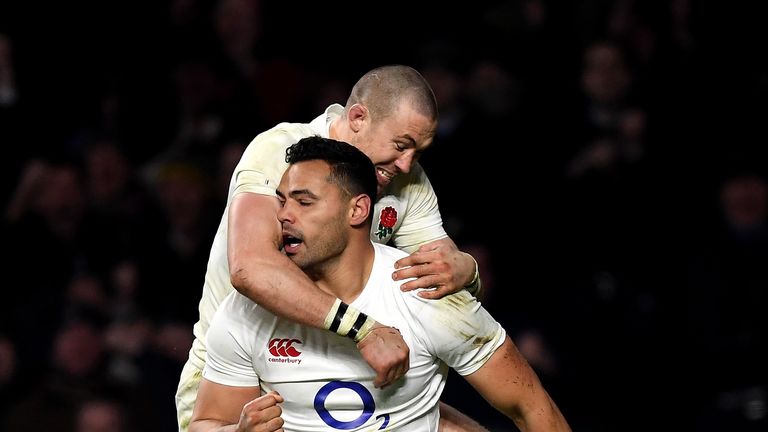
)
(387, 255)
(267, 149)
(282, 135)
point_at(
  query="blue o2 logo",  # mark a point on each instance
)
(369, 405)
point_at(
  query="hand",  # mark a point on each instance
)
(387, 353)
(262, 414)
(439, 265)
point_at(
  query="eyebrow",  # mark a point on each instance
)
(297, 193)
(410, 142)
(408, 138)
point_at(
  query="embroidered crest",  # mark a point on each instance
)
(387, 220)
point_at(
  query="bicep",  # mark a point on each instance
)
(222, 403)
(254, 230)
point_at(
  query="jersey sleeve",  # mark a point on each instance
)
(263, 162)
(422, 222)
(460, 331)
(229, 358)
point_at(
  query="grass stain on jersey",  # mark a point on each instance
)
(457, 307)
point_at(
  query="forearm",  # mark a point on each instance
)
(542, 415)
(275, 283)
(287, 292)
(511, 386)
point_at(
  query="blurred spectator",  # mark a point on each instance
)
(101, 415)
(728, 297)
(179, 257)
(9, 383)
(613, 126)
(10, 119)
(50, 400)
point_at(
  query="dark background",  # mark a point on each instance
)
(604, 161)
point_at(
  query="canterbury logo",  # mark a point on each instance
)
(284, 347)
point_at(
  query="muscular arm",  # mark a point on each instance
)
(511, 386)
(259, 271)
(224, 408)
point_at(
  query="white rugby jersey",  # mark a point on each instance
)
(323, 378)
(407, 214)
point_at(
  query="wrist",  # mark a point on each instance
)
(345, 320)
(474, 285)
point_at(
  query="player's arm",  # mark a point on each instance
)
(261, 272)
(452, 420)
(225, 408)
(511, 386)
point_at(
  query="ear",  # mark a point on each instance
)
(357, 115)
(360, 207)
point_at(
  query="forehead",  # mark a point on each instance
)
(311, 174)
(408, 124)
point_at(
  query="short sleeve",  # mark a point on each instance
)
(229, 360)
(263, 162)
(460, 331)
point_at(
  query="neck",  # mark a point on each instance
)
(347, 275)
(333, 129)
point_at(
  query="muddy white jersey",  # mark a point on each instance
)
(326, 383)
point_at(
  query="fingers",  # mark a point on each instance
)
(262, 414)
(263, 402)
(436, 293)
(429, 281)
(432, 268)
(387, 353)
(426, 253)
(383, 380)
(409, 261)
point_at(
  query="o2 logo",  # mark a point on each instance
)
(369, 405)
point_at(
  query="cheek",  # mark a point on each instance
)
(385, 157)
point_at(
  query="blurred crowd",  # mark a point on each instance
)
(570, 160)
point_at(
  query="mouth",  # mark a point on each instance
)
(384, 176)
(291, 243)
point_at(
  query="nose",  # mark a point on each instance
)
(404, 162)
(284, 213)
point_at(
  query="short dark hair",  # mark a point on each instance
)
(351, 169)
